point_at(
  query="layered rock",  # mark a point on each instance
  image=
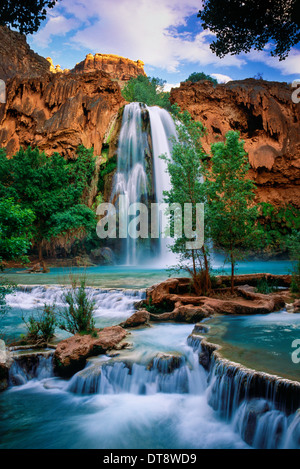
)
(17, 58)
(58, 112)
(119, 68)
(268, 120)
(188, 307)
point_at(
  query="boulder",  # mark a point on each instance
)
(166, 363)
(71, 354)
(103, 256)
(5, 363)
(139, 318)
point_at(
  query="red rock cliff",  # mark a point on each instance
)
(16, 57)
(268, 121)
(58, 112)
(117, 67)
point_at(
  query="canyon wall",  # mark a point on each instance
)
(268, 121)
(58, 112)
(17, 58)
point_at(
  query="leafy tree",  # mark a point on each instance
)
(293, 244)
(24, 15)
(241, 25)
(55, 190)
(14, 230)
(146, 90)
(186, 169)
(198, 76)
(231, 213)
(278, 224)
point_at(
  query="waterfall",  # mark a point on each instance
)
(141, 175)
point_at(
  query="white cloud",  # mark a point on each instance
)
(168, 86)
(138, 29)
(57, 25)
(289, 66)
(221, 78)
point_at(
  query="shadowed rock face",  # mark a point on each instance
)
(268, 120)
(17, 58)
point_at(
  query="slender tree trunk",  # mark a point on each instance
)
(207, 279)
(41, 259)
(232, 274)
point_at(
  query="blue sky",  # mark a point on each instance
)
(165, 34)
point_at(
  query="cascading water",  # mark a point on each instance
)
(141, 175)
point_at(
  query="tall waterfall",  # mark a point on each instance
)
(141, 175)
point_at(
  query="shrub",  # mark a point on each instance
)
(199, 76)
(77, 317)
(41, 326)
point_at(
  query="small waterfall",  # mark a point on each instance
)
(141, 175)
(164, 374)
(263, 409)
(26, 367)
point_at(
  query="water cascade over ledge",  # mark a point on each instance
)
(141, 174)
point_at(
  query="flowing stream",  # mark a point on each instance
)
(154, 394)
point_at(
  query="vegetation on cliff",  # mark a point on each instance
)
(147, 90)
(199, 76)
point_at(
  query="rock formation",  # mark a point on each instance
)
(17, 58)
(58, 112)
(117, 67)
(268, 120)
(186, 306)
(71, 354)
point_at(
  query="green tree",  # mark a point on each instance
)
(15, 235)
(240, 25)
(24, 15)
(293, 244)
(198, 76)
(186, 168)
(147, 90)
(230, 194)
(55, 189)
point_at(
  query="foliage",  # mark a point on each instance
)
(263, 286)
(154, 309)
(106, 168)
(293, 244)
(241, 25)
(14, 230)
(24, 15)
(41, 326)
(54, 189)
(186, 169)
(77, 317)
(198, 76)
(230, 195)
(147, 90)
(278, 225)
